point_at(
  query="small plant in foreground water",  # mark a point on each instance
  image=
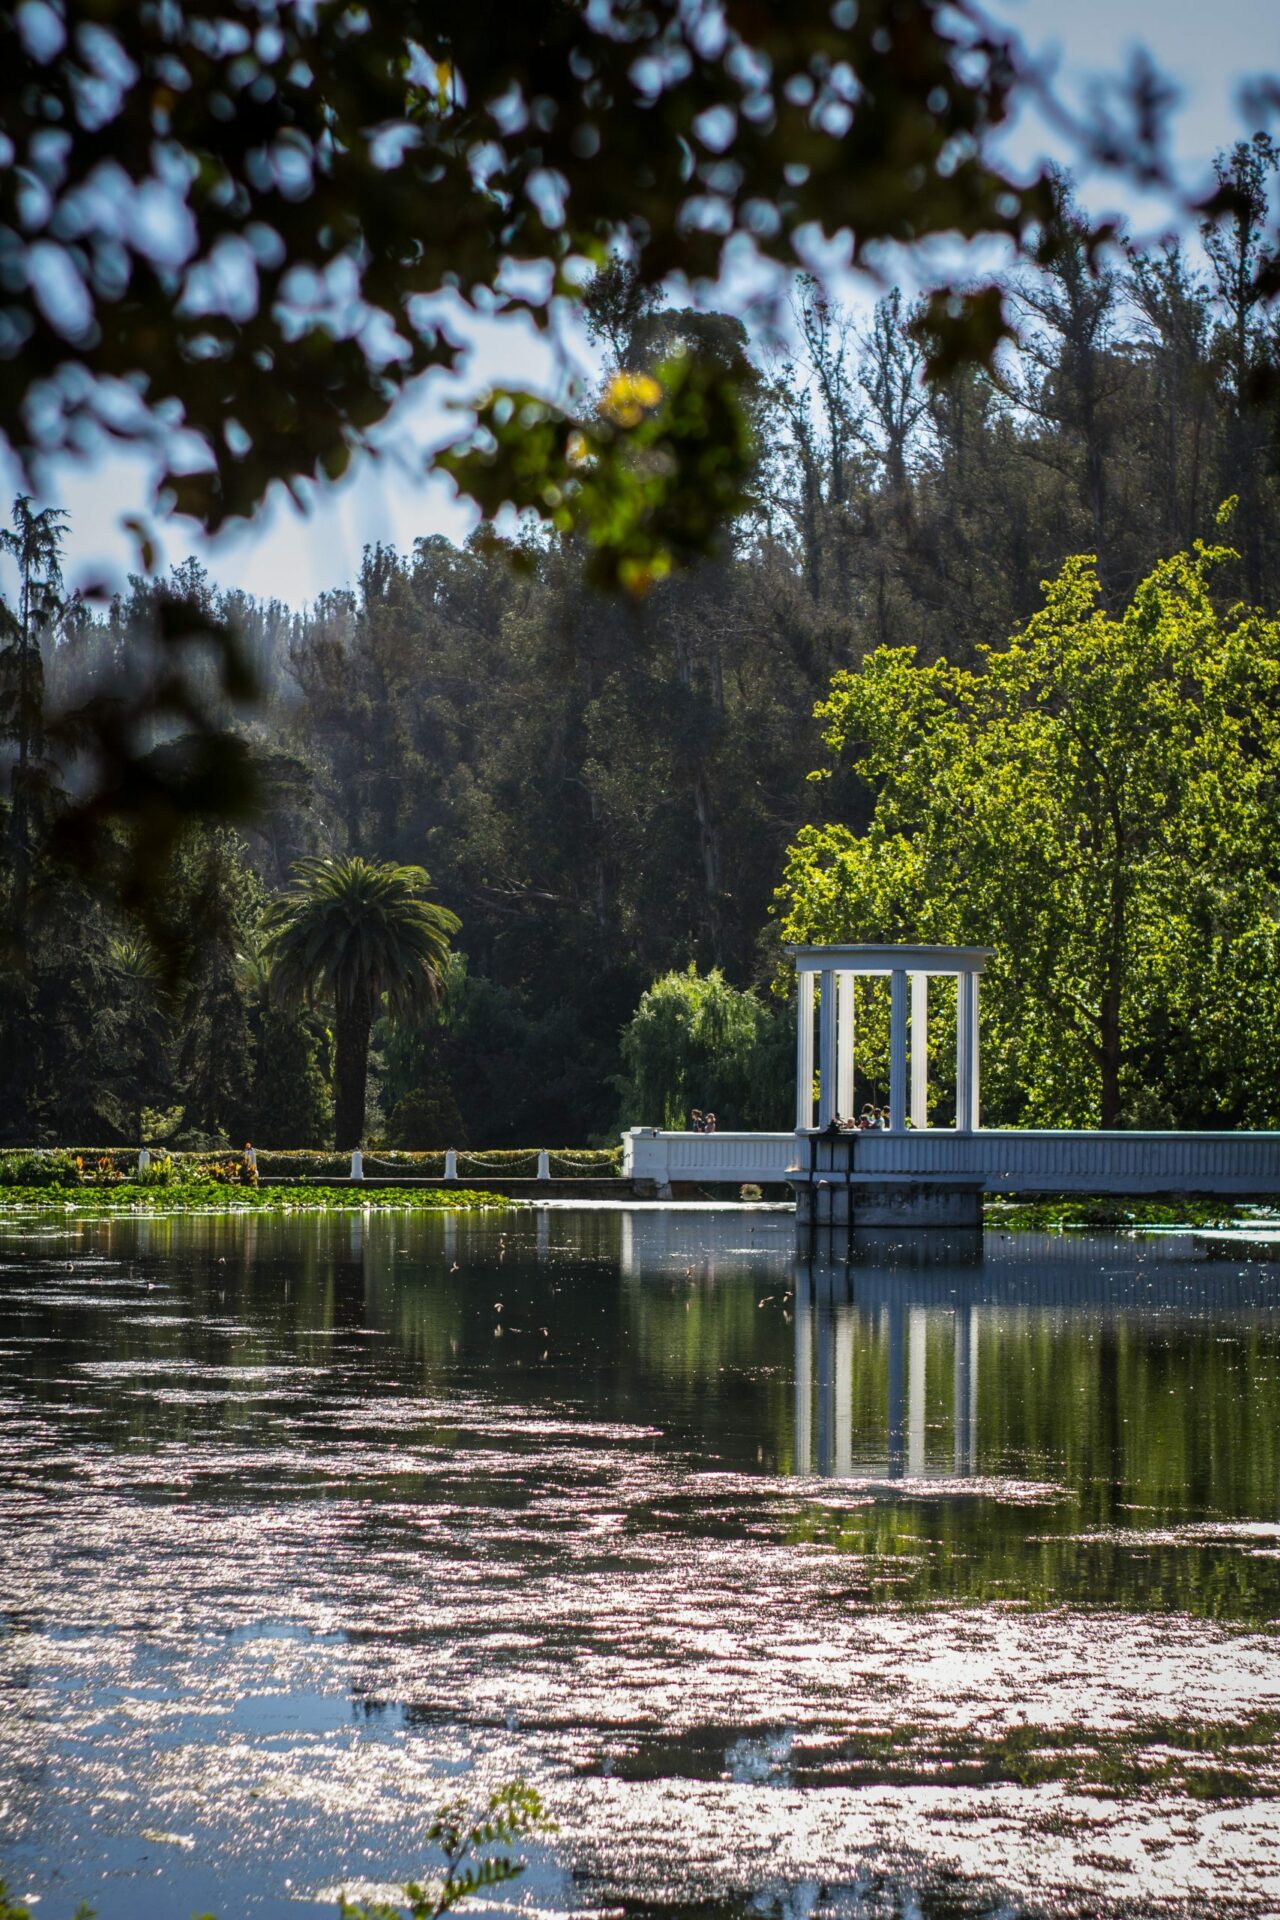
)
(513, 1813)
(11, 1910)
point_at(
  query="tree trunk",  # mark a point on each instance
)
(352, 1028)
(1109, 1114)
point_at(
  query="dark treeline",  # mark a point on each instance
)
(604, 791)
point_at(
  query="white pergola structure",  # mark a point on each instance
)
(827, 974)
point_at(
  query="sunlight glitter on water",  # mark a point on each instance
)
(262, 1611)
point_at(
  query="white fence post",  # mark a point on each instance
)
(544, 1165)
(450, 1164)
(357, 1164)
(144, 1159)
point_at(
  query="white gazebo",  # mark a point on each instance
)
(826, 979)
(912, 1174)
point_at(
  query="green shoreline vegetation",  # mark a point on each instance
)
(216, 1196)
(92, 1182)
(1120, 1213)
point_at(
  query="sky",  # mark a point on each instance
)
(1210, 52)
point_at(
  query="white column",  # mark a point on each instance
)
(804, 1051)
(975, 1055)
(844, 1046)
(967, 1052)
(898, 1049)
(827, 1049)
(963, 1053)
(919, 1049)
(917, 1349)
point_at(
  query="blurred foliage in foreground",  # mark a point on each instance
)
(258, 223)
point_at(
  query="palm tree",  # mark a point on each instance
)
(354, 932)
(34, 542)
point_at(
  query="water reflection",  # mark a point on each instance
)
(301, 1520)
(901, 1323)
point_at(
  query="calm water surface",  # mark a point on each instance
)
(904, 1587)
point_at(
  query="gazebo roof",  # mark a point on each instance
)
(862, 958)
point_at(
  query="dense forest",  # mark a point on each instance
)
(605, 790)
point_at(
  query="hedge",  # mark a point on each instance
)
(88, 1166)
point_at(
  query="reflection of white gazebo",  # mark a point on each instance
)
(827, 976)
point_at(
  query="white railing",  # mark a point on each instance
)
(999, 1160)
(648, 1154)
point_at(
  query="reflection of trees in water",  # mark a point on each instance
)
(1153, 1402)
(1130, 1375)
(347, 1274)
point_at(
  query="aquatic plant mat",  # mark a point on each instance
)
(944, 1582)
(210, 1196)
(1082, 1210)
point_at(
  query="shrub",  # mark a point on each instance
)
(227, 1173)
(301, 1162)
(102, 1172)
(162, 1172)
(38, 1169)
(391, 1163)
(426, 1118)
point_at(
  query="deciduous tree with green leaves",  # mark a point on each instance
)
(358, 934)
(1100, 802)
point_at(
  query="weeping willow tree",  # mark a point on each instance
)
(694, 1040)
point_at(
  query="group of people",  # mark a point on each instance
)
(869, 1119)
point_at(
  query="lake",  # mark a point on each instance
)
(941, 1582)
